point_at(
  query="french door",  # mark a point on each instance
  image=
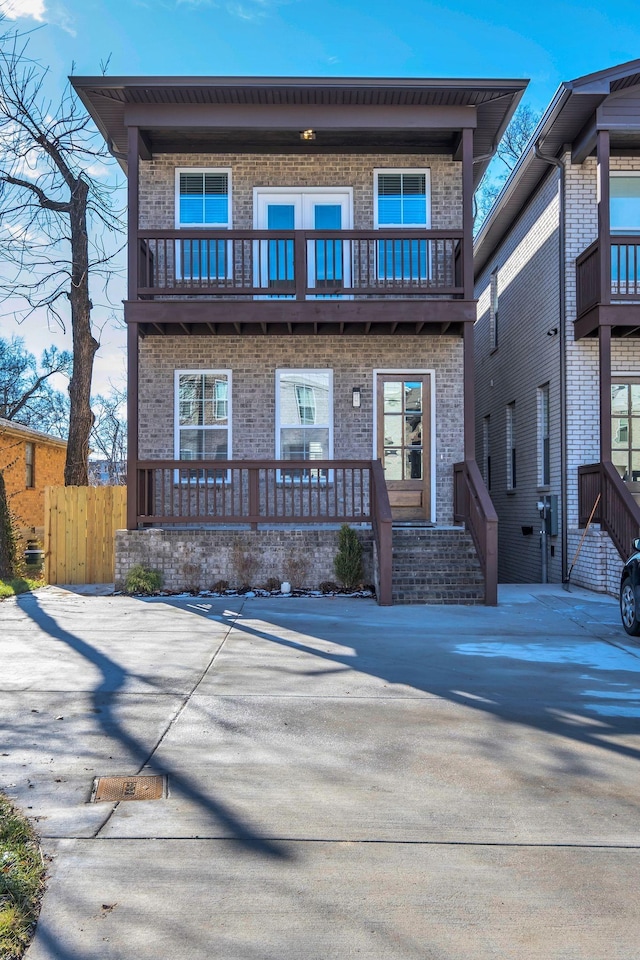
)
(328, 260)
(403, 432)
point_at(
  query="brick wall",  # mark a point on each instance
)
(27, 504)
(157, 182)
(253, 362)
(526, 358)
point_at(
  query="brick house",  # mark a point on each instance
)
(557, 352)
(300, 316)
(30, 461)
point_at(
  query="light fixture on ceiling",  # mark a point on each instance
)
(307, 134)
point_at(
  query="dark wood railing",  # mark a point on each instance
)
(300, 264)
(472, 506)
(625, 273)
(617, 512)
(252, 492)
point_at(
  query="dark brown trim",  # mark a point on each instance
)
(604, 218)
(469, 393)
(133, 250)
(604, 354)
(617, 316)
(585, 143)
(132, 426)
(284, 116)
(467, 213)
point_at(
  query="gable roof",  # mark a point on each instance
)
(11, 428)
(569, 112)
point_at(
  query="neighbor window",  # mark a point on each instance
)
(402, 199)
(30, 464)
(304, 414)
(493, 311)
(486, 450)
(544, 431)
(625, 429)
(203, 200)
(511, 446)
(203, 414)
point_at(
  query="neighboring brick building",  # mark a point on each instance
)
(301, 304)
(557, 349)
(30, 461)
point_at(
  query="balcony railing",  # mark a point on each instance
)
(300, 264)
(617, 512)
(625, 273)
(203, 493)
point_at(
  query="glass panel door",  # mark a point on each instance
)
(403, 442)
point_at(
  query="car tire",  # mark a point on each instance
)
(629, 608)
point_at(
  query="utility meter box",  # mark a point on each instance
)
(552, 515)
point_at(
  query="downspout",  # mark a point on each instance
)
(562, 275)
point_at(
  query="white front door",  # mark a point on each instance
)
(284, 209)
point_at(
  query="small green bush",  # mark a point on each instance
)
(11, 588)
(348, 560)
(142, 580)
(22, 875)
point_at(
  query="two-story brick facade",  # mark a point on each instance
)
(557, 350)
(30, 461)
(300, 316)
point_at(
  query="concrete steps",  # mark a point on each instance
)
(435, 565)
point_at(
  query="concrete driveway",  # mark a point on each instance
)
(345, 780)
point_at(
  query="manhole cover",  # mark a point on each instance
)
(112, 789)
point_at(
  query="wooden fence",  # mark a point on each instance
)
(79, 532)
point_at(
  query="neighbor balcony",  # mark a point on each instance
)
(608, 291)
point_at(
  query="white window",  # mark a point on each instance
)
(402, 198)
(203, 415)
(493, 311)
(511, 446)
(544, 437)
(625, 202)
(203, 199)
(304, 415)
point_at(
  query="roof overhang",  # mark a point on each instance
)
(267, 114)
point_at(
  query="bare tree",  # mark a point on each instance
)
(57, 221)
(26, 393)
(510, 149)
(109, 435)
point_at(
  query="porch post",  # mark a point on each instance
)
(467, 212)
(604, 344)
(469, 393)
(133, 164)
(604, 218)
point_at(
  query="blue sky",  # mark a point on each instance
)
(544, 41)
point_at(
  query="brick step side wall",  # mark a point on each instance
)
(435, 566)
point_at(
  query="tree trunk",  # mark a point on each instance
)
(84, 343)
(8, 552)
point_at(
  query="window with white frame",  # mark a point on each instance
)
(493, 311)
(203, 199)
(304, 414)
(203, 414)
(544, 437)
(511, 446)
(486, 450)
(625, 202)
(402, 198)
(625, 428)
(30, 464)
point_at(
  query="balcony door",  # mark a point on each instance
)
(403, 442)
(318, 208)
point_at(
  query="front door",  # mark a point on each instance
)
(404, 443)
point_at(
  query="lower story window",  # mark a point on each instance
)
(203, 415)
(625, 429)
(304, 417)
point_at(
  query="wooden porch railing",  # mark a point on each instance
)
(207, 492)
(472, 505)
(625, 273)
(617, 512)
(300, 264)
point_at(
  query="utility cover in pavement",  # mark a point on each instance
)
(128, 788)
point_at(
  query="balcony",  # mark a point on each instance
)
(233, 281)
(609, 293)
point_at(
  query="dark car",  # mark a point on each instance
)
(630, 592)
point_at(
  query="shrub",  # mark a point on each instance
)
(328, 586)
(142, 580)
(8, 544)
(244, 563)
(220, 586)
(272, 584)
(348, 560)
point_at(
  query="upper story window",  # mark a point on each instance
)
(625, 202)
(493, 311)
(511, 446)
(203, 198)
(544, 436)
(30, 464)
(402, 200)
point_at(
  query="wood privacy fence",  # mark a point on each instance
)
(79, 532)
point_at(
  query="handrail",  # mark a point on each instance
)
(381, 233)
(381, 522)
(473, 506)
(617, 513)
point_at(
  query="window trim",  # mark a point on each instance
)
(512, 475)
(427, 186)
(486, 450)
(628, 380)
(544, 483)
(622, 231)
(30, 466)
(278, 419)
(494, 309)
(203, 226)
(176, 413)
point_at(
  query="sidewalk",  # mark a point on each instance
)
(345, 780)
